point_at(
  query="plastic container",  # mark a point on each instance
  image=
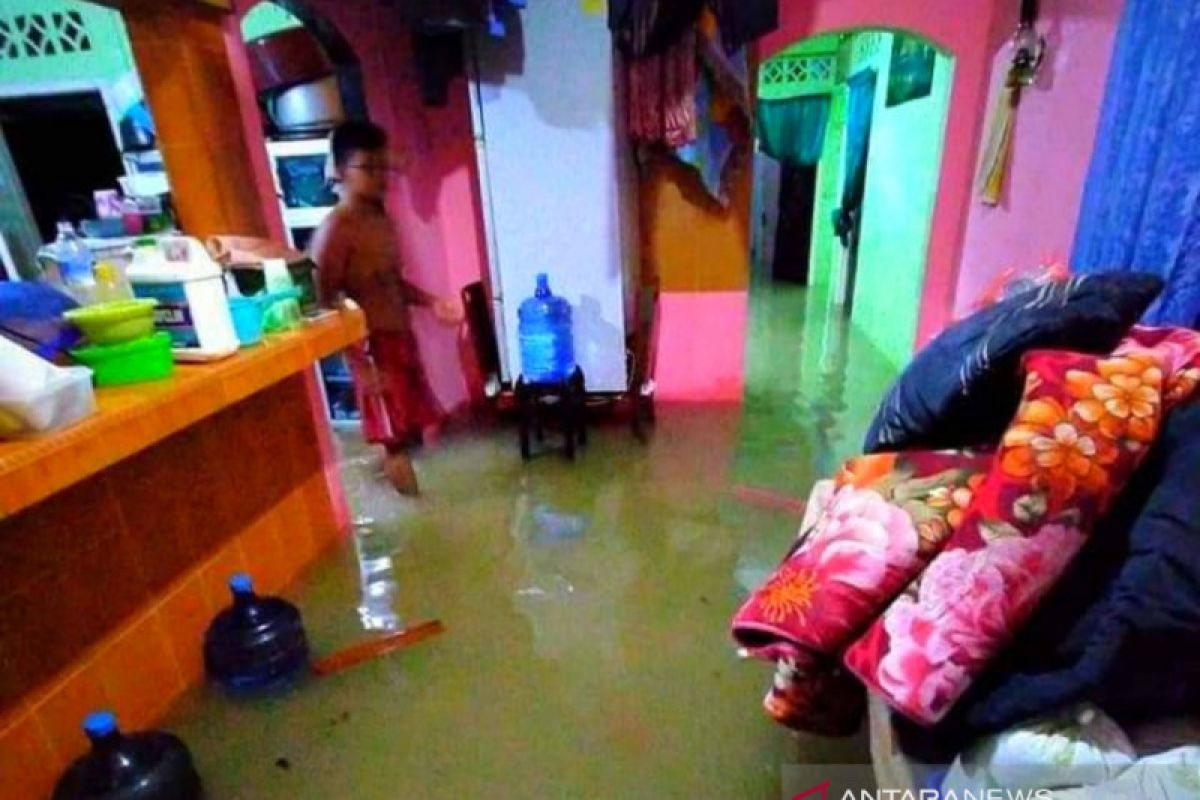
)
(247, 319)
(150, 765)
(283, 312)
(111, 286)
(65, 397)
(547, 343)
(114, 323)
(103, 228)
(256, 643)
(192, 306)
(139, 361)
(252, 280)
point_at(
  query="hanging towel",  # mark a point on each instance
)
(662, 95)
(793, 130)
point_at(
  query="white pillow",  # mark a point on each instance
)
(1173, 775)
(1081, 746)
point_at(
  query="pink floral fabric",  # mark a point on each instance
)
(966, 602)
(1083, 427)
(915, 569)
(866, 536)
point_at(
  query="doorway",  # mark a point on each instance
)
(63, 148)
(850, 134)
(847, 162)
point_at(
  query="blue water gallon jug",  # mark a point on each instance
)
(256, 643)
(547, 344)
(136, 766)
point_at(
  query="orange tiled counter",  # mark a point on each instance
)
(117, 535)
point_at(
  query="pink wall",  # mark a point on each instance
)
(435, 200)
(1056, 127)
(698, 360)
(964, 28)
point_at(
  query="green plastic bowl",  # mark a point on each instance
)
(145, 359)
(114, 323)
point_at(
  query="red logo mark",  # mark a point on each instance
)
(820, 790)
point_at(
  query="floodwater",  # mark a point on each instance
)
(586, 605)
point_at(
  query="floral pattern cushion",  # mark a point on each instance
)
(866, 535)
(1083, 427)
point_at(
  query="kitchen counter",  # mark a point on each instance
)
(133, 418)
(119, 534)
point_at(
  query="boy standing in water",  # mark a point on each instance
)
(358, 256)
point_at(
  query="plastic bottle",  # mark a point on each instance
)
(256, 643)
(547, 344)
(74, 263)
(138, 766)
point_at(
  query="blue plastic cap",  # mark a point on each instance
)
(100, 723)
(241, 583)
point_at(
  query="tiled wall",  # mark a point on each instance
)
(106, 589)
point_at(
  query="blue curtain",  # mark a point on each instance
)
(860, 108)
(793, 130)
(1141, 203)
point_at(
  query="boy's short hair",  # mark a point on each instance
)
(351, 137)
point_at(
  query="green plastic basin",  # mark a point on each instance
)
(145, 359)
(113, 323)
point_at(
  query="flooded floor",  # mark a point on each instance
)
(586, 605)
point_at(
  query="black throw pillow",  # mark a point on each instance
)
(963, 388)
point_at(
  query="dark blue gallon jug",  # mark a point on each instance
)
(256, 643)
(134, 766)
(547, 344)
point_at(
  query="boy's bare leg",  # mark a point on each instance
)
(398, 468)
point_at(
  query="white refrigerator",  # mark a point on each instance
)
(557, 187)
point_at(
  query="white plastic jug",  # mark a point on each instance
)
(192, 305)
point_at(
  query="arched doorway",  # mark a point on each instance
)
(848, 162)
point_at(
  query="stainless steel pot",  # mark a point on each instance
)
(308, 106)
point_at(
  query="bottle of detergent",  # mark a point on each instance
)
(547, 344)
(256, 643)
(137, 766)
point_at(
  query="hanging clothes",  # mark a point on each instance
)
(744, 21)
(437, 60)
(793, 130)
(445, 13)
(1141, 202)
(662, 95)
(651, 27)
(723, 117)
(713, 145)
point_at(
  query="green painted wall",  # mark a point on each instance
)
(267, 18)
(826, 253)
(902, 177)
(106, 58)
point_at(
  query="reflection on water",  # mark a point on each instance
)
(813, 383)
(377, 609)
